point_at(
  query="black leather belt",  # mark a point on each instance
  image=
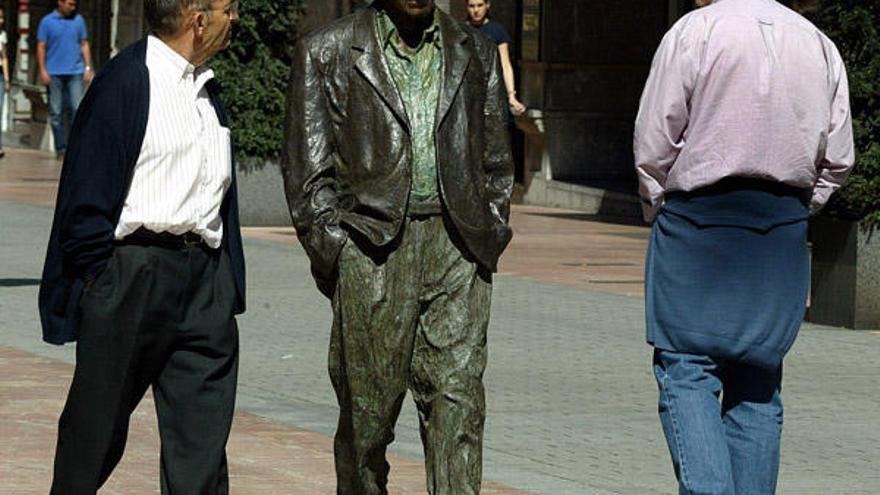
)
(144, 237)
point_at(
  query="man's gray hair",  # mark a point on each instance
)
(164, 16)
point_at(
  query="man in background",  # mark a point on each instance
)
(65, 63)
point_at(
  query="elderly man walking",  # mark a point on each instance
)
(744, 129)
(398, 173)
(144, 267)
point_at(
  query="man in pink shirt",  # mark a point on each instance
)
(744, 129)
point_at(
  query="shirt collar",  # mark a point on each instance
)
(388, 31)
(174, 65)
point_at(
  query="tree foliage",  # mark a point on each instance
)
(854, 25)
(254, 72)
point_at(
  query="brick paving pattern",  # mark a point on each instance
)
(265, 457)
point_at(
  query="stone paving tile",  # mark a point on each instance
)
(29, 176)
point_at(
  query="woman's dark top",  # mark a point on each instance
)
(495, 32)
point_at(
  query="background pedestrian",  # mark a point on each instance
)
(64, 60)
(478, 17)
(4, 60)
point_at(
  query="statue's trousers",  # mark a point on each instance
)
(411, 315)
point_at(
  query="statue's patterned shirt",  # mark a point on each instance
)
(417, 74)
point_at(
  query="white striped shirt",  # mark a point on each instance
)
(185, 164)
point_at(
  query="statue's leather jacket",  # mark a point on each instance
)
(347, 157)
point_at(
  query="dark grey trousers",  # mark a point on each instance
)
(163, 318)
(412, 315)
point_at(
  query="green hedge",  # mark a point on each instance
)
(854, 25)
(254, 73)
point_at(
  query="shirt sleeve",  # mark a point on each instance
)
(839, 157)
(503, 36)
(83, 32)
(43, 31)
(663, 117)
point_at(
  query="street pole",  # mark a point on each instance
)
(22, 62)
(114, 28)
(17, 104)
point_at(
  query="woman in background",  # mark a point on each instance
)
(478, 17)
(4, 60)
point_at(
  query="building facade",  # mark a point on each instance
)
(580, 69)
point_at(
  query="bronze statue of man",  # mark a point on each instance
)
(398, 173)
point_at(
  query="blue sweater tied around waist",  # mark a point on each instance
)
(727, 272)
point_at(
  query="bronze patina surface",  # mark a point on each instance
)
(417, 73)
(398, 173)
(410, 316)
(348, 156)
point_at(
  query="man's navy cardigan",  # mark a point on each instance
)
(105, 142)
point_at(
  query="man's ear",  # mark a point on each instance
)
(200, 21)
(192, 21)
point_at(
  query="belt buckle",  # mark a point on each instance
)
(191, 239)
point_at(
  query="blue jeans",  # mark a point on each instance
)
(726, 447)
(65, 92)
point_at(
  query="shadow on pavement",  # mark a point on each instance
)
(591, 217)
(19, 282)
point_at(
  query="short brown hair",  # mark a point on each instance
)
(803, 6)
(163, 16)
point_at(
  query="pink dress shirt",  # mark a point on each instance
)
(744, 88)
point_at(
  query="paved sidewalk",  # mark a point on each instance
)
(29, 177)
(265, 457)
(572, 404)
